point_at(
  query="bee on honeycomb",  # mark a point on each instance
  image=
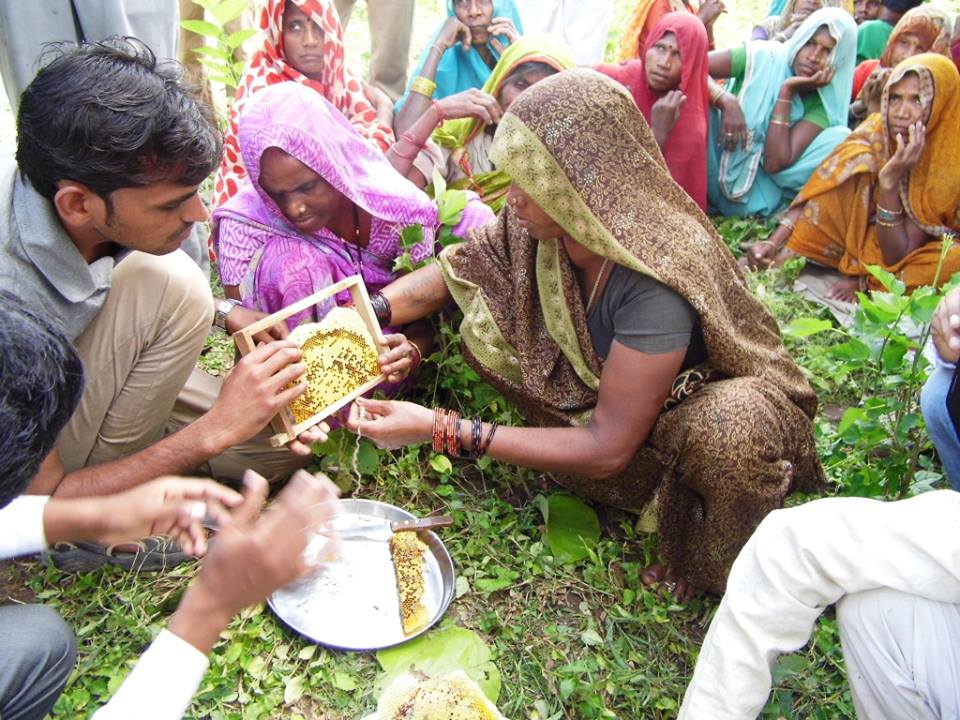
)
(340, 356)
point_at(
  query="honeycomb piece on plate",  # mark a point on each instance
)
(407, 550)
(340, 356)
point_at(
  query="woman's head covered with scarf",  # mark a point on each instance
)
(685, 151)
(544, 49)
(577, 145)
(309, 128)
(269, 65)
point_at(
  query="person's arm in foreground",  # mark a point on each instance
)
(256, 389)
(416, 295)
(797, 563)
(165, 506)
(633, 386)
(253, 556)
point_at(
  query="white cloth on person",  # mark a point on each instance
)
(902, 655)
(581, 25)
(22, 523)
(799, 561)
(180, 664)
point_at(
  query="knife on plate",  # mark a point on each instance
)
(382, 530)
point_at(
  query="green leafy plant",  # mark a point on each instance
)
(880, 447)
(219, 57)
(440, 652)
(572, 527)
(450, 206)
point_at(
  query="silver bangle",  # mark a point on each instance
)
(223, 309)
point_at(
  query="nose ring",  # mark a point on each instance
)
(302, 210)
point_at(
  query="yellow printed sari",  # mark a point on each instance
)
(837, 226)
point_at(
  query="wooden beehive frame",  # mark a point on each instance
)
(283, 422)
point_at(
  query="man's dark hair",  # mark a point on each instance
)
(109, 116)
(41, 378)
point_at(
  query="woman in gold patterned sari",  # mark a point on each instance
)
(600, 283)
(887, 194)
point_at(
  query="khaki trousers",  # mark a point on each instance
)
(139, 357)
(391, 27)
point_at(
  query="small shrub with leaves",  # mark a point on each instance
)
(880, 447)
(219, 57)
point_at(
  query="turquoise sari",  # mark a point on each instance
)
(737, 184)
(461, 69)
(776, 7)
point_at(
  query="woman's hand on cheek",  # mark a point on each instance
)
(502, 27)
(391, 424)
(453, 31)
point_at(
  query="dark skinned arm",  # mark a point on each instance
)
(897, 240)
(784, 142)
(417, 295)
(633, 387)
(253, 393)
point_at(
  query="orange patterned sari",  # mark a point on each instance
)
(837, 227)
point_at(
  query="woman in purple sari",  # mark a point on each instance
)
(320, 204)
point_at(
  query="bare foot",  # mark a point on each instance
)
(681, 590)
(845, 290)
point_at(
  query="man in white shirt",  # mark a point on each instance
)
(893, 569)
(41, 380)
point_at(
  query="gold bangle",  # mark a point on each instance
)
(716, 93)
(423, 86)
(883, 223)
(787, 223)
(778, 121)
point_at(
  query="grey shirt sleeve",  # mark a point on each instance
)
(641, 313)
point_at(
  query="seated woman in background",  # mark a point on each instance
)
(321, 204)
(872, 35)
(922, 29)
(461, 145)
(669, 86)
(646, 14)
(606, 307)
(782, 26)
(888, 193)
(463, 53)
(795, 96)
(302, 44)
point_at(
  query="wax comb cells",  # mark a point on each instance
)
(340, 356)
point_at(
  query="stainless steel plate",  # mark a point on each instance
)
(352, 603)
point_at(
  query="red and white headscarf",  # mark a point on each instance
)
(268, 66)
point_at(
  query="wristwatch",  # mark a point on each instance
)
(223, 309)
